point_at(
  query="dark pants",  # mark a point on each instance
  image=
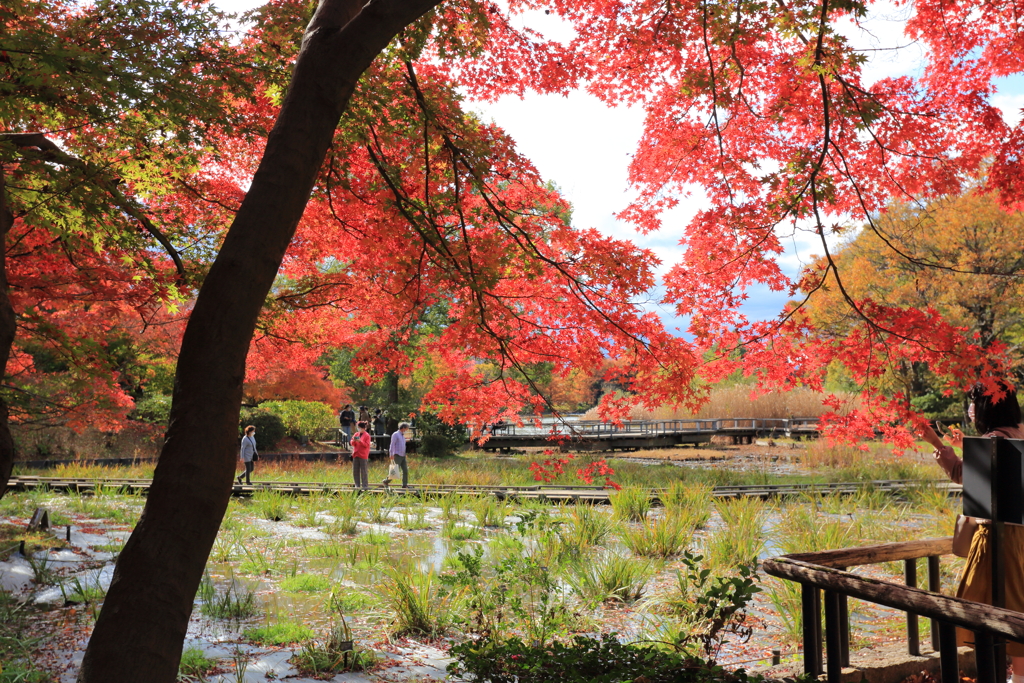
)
(404, 465)
(361, 472)
(249, 467)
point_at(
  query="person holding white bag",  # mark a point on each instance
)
(397, 453)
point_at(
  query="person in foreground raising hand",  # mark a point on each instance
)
(992, 417)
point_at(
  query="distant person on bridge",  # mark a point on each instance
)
(991, 418)
(360, 444)
(397, 453)
(247, 454)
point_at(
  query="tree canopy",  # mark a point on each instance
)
(361, 197)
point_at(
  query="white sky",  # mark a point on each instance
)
(585, 146)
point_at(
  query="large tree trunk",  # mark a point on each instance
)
(142, 625)
(7, 329)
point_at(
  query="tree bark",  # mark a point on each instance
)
(8, 325)
(141, 628)
(391, 380)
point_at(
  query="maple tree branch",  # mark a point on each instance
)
(196, 192)
(50, 151)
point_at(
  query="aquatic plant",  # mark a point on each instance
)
(304, 583)
(583, 527)
(420, 604)
(279, 632)
(693, 499)
(377, 508)
(271, 505)
(631, 503)
(489, 511)
(194, 665)
(237, 602)
(665, 536)
(741, 538)
(611, 577)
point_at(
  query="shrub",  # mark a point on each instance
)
(437, 438)
(154, 408)
(269, 427)
(302, 419)
(583, 660)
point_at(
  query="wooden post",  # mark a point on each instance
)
(947, 653)
(985, 656)
(935, 586)
(913, 635)
(833, 657)
(844, 630)
(811, 612)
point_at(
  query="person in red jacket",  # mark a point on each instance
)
(360, 444)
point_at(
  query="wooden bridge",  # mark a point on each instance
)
(635, 435)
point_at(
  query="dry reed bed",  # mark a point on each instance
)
(737, 401)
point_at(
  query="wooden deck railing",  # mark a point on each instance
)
(826, 572)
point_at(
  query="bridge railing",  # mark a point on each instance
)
(824, 579)
(598, 428)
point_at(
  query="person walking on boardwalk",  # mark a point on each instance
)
(247, 454)
(347, 417)
(361, 456)
(397, 453)
(380, 418)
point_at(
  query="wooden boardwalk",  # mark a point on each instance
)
(547, 493)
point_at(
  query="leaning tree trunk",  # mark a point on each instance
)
(140, 631)
(7, 329)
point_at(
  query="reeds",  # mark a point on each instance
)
(584, 527)
(237, 602)
(611, 578)
(489, 511)
(419, 604)
(413, 518)
(665, 536)
(271, 505)
(738, 401)
(631, 503)
(345, 512)
(377, 508)
(452, 505)
(310, 508)
(692, 498)
(460, 532)
(741, 538)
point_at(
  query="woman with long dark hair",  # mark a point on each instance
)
(993, 414)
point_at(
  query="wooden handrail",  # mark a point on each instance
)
(875, 554)
(964, 613)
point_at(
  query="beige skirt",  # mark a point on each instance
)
(976, 581)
